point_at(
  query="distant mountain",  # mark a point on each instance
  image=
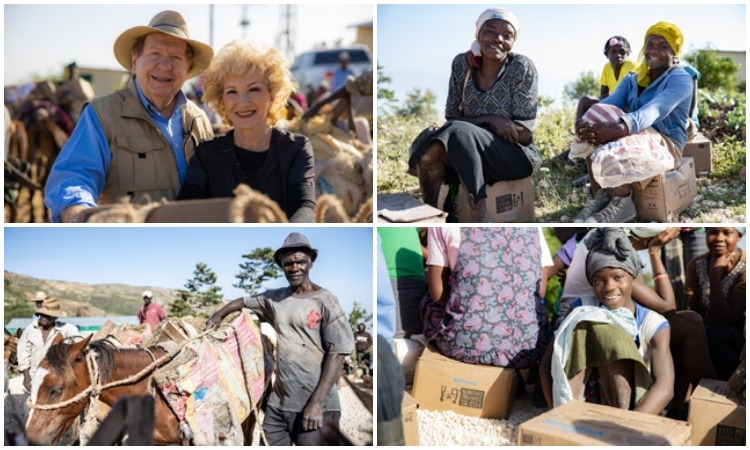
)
(78, 299)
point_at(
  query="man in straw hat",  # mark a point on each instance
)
(37, 338)
(314, 337)
(135, 142)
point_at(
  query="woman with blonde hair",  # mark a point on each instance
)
(249, 87)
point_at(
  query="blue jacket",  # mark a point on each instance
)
(663, 105)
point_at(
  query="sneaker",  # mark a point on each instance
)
(620, 209)
(596, 204)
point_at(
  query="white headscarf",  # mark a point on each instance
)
(489, 14)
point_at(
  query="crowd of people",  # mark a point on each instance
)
(480, 296)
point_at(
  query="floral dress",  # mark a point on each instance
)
(492, 315)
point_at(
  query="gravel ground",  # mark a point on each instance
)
(450, 429)
(356, 420)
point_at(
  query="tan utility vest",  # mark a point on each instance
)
(143, 166)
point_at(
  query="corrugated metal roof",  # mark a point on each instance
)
(83, 323)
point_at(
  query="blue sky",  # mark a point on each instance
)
(57, 34)
(417, 43)
(166, 256)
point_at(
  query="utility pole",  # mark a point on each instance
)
(245, 22)
(288, 28)
(211, 25)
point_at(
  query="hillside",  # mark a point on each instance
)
(78, 299)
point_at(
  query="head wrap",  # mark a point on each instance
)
(668, 31)
(610, 247)
(616, 40)
(489, 14)
(740, 230)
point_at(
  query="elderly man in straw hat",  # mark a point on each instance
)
(313, 339)
(38, 336)
(135, 142)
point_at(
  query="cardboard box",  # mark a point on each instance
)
(403, 208)
(410, 420)
(668, 194)
(580, 423)
(444, 384)
(699, 148)
(507, 201)
(717, 414)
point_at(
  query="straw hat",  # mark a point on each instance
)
(173, 24)
(39, 297)
(51, 307)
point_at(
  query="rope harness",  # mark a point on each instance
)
(94, 390)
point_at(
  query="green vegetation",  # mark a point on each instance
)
(258, 268)
(199, 296)
(722, 116)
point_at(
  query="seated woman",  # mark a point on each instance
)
(688, 346)
(656, 99)
(715, 288)
(481, 307)
(611, 337)
(491, 111)
(249, 88)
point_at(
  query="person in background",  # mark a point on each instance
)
(151, 313)
(38, 336)
(135, 142)
(314, 339)
(343, 72)
(715, 289)
(676, 255)
(363, 346)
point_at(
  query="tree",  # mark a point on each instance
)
(199, 295)
(586, 84)
(385, 95)
(716, 72)
(359, 315)
(259, 268)
(419, 104)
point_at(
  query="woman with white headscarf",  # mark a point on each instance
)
(491, 112)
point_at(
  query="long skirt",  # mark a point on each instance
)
(479, 156)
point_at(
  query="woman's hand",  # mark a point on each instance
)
(663, 238)
(723, 264)
(505, 128)
(601, 133)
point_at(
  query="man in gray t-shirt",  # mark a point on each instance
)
(313, 339)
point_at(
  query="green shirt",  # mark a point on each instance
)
(403, 252)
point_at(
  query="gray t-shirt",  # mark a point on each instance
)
(308, 326)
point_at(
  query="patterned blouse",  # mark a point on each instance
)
(513, 96)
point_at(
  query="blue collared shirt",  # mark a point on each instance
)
(663, 105)
(80, 170)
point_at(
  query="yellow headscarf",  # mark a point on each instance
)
(668, 31)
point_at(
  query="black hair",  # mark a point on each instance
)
(620, 41)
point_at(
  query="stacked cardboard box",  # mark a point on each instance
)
(668, 194)
(717, 415)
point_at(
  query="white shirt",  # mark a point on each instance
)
(32, 348)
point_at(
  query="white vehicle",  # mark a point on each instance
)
(310, 67)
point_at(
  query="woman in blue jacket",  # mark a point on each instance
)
(658, 97)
